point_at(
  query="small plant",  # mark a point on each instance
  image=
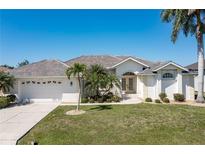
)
(162, 96)
(11, 98)
(157, 101)
(4, 102)
(84, 100)
(179, 97)
(148, 99)
(116, 98)
(92, 100)
(109, 100)
(100, 100)
(166, 100)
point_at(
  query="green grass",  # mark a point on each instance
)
(122, 124)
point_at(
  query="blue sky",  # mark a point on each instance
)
(63, 34)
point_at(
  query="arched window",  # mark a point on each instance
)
(128, 73)
(168, 76)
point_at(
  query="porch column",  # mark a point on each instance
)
(179, 81)
(159, 84)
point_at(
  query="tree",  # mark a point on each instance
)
(99, 81)
(190, 22)
(6, 82)
(94, 79)
(23, 63)
(7, 66)
(109, 81)
(78, 70)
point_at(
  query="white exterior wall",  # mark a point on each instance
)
(48, 92)
(171, 86)
(128, 66)
(188, 87)
(196, 82)
(150, 89)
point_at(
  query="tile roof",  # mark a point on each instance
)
(194, 66)
(57, 68)
(104, 60)
(41, 68)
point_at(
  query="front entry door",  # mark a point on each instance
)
(128, 84)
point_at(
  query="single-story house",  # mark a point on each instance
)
(46, 80)
(193, 68)
(4, 69)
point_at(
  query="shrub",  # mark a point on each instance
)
(179, 97)
(100, 100)
(116, 98)
(157, 101)
(84, 100)
(148, 99)
(166, 100)
(4, 102)
(109, 95)
(109, 100)
(162, 95)
(92, 100)
(11, 98)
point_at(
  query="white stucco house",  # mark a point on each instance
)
(46, 80)
(193, 68)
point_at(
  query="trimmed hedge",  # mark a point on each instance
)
(179, 97)
(91, 100)
(116, 98)
(157, 101)
(166, 100)
(148, 99)
(84, 100)
(109, 100)
(4, 102)
(162, 96)
(11, 98)
(100, 100)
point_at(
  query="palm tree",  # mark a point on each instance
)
(94, 79)
(109, 82)
(99, 81)
(78, 70)
(6, 82)
(190, 22)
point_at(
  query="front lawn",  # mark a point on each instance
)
(122, 124)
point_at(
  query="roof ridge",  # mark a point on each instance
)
(30, 64)
(59, 61)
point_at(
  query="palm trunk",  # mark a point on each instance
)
(200, 48)
(1, 92)
(78, 105)
(200, 97)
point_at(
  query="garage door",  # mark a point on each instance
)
(46, 90)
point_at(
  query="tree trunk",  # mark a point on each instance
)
(1, 92)
(78, 106)
(200, 48)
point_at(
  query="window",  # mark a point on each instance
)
(123, 84)
(168, 76)
(131, 88)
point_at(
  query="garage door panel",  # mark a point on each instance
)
(49, 90)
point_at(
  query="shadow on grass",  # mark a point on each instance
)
(101, 107)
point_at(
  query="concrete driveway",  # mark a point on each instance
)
(18, 120)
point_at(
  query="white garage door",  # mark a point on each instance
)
(169, 87)
(45, 90)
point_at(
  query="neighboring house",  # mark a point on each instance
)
(4, 69)
(193, 68)
(46, 80)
